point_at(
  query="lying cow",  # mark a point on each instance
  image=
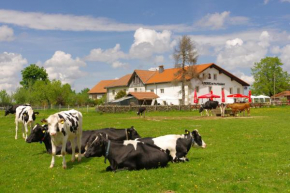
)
(64, 126)
(12, 109)
(141, 111)
(209, 105)
(239, 107)
(26, 116)
(40, 134)
(129, 154)
(177, 145)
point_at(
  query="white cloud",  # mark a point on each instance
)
(118, 64)
(246, 78)
(234, 42)
(10, 66)
(109, 55)
(285, 1)
(63, 67)
(6, 33)
(275, 50)
(219, 20)
(285, 57)
(266, 1)
(244, 55)
(148, 41)
(44, 21)
(159, 59)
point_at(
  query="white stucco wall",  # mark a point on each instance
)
(111, 96)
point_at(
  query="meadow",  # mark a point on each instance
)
(243, 154)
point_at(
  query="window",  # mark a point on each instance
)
(209, 76)
(203, 75)
(231, 90)
(215, 76)
(197, 89)
(209, 88)
(135, 89)
(238, 91)
(162, 90)
(113, 91)
(151, 90)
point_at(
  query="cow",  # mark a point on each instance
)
(209, 105)
(12, 109)
(127, 155)
(141, 111)
(64, 126)
(239, 107)
(26, 116)
(223, 108)
(40, 134)
(177, 145)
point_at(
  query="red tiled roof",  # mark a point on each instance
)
(281, 94)
(123, 81)
(143, 95)
(100, 87)
(168, 75)
(145, 75)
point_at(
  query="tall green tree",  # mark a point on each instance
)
(5, 98)
(120, 94)
(269, 77)
(185, 53)
(31, 74)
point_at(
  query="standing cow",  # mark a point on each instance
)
(239, 107)
(141, 111)
(129, 154)
(209, 105)
(177, 145)
(12, 109)
(64, 126)
(25, 116)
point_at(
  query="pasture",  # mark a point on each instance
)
(244, 154)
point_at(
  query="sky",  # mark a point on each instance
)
(84, 42)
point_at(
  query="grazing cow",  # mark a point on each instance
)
(141, 111)
(177, 145)
(64, 126)
(223, 108)
(40, 134)
(239, 107)
(209, 105)
(12, 109)
(129, 154)
(26, 116)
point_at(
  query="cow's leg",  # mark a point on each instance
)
(73, 149)
(79, 144)
(206, 112)
(16, 128)
(53, 150)
(63, 148)
(24, 128)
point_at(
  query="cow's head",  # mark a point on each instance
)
(38, 133)
(187, 134)
(55, 124)
(132, 133)
(29, 115)
(97, 145)
(7, 111)
(197, 139)
(201, 108)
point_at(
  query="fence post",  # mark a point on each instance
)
(87, 108)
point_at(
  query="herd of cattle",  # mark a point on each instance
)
(63, 133)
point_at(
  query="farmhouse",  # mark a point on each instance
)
(160, 81)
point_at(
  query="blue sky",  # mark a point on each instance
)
(83, 42)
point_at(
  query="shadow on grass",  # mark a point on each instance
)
(71, 164)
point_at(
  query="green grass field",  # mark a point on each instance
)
(244, 154)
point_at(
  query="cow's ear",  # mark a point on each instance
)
(61, 121)
(44, 121)
(186, 132)
(36, 113)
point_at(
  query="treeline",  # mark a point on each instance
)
(36, 89)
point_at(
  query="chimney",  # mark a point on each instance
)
(161, 68)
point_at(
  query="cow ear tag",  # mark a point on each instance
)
(187, 132)
(62, 121)
(43, 131)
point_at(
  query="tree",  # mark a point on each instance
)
(269, 77)
(5, 99)
(31, 74)
(184, 54)
(120, 94)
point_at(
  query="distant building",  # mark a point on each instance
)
(99, 89)
(212, 78)
(279, 96)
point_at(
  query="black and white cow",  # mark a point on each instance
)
(129, 154)
(177, 145)
(209, 105)
(64, 126)
(12, 109)
(40, 134)
(26, 116)
(141, 111)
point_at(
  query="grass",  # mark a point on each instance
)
(249, 154)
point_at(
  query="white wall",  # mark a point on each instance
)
(111, 96)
